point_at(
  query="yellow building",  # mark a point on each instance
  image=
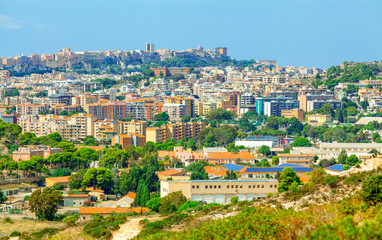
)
(317, 119)
(297, 113)
(220, 191)
(207, 107)
(176, 130)
(53, 180)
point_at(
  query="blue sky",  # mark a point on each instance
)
(317, 33)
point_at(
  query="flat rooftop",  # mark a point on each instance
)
(217, 181)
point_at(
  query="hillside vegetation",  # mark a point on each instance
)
(327, 207)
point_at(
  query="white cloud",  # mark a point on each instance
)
(6, 22)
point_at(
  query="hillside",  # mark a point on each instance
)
(318, 210)
(350, 73)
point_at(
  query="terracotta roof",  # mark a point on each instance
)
(169, 172)
(59, 179)
(98, 191)
(163, 154)
(96, 210)
(305, 178)
(217, 171)
(77, 195)
(295, 155)
(131, 195)
(91, 147)
(229, 155)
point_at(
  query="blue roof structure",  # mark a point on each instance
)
(277, 169)
(288, 165)
(337, 167)
(233, 167)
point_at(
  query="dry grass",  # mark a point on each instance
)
(28, 226)
(72, 233)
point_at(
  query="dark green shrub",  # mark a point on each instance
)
(331, 180)
(371, 191)
(234, 199)
(188, 205)
(15, 234)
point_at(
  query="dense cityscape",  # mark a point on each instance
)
(118, 134)
(190, 120)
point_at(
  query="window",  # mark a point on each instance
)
(241, 186)
(210, 186)
(206, 186)
(254, 186)
(262, 186)
(258, 186)
(193, 187)
(220, 186)
(249, 186)
(197, 186)
(227, 186)
(237, 186)
(250, 175)
(214, 186)
(271, 186)
(232, 186)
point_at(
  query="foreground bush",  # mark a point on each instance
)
(371, 191)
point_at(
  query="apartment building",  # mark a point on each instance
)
(220, 191)
(30, 109)
(27, 153)
(316, 104)
(358, 149)
(106, 129)
(108, 110)
(317, 119)
(297, 113)
(305, 98)
(73, 128)
(274, 108)
(5, 74)
(134, 126)
(177, 131)
(175, 111)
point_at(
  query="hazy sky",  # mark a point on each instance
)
(318, 33)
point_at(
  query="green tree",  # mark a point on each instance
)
(44, 203)
(210, 141)
(186, 118)
(3, 198)
(90, 141)
(171, 202)
(301, 142)
(371, 191)
(163, 116)
(142, 195)
(376, 137)
(275, 160)
(264, 163)
(352, 160)
(98, 178)
(230, 175)
(288, 179)
(340, 116)
(342, 157)
(272, 123)
(265, 150)
(75, 180)
(154, 204)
